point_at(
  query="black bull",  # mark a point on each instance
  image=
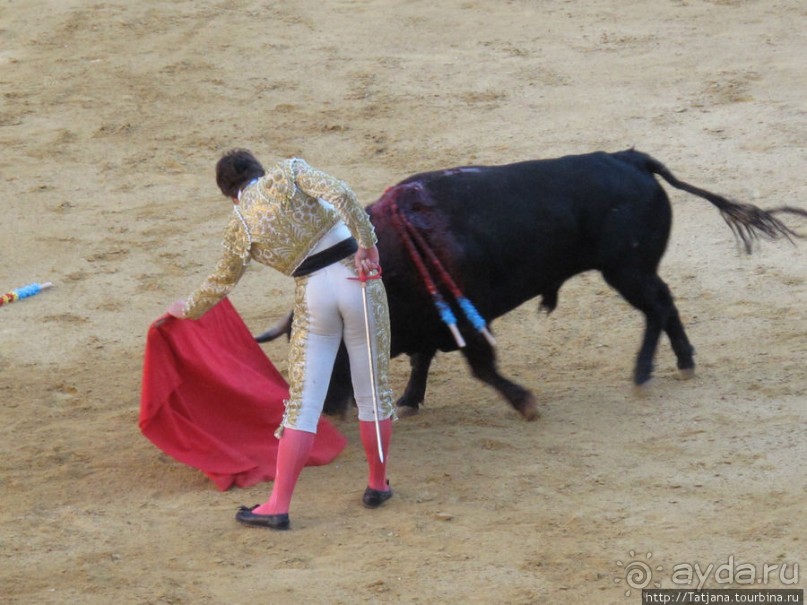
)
(507, 234)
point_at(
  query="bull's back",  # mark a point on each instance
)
(527, 197)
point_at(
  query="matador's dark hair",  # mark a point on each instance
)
(235, 169)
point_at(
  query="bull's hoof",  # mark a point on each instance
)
(405, 411)
(529, 410)
(640, 391)
(687, 373)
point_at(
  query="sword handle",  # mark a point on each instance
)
(363, 277)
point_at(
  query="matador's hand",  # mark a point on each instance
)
(367, 260)
(177, 309)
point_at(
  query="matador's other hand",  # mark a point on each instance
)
(177, 309)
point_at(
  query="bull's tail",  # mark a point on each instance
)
(747, 222)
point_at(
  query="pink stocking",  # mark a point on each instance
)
(377, 476)
(292, 455)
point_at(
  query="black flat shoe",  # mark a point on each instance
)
(247, 517)
(374, 498)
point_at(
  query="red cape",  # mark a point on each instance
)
(212, 399)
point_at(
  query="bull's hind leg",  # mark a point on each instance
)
(684, 351)
(482, 359)
(648, 293)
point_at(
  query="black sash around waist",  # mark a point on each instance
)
(326, 257)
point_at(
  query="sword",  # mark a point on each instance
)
(362, 278)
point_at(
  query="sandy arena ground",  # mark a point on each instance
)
(112, 115)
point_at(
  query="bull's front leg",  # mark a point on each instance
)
(340, 390)
(415, 391)
(481, 358)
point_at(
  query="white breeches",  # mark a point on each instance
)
(328, 308)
